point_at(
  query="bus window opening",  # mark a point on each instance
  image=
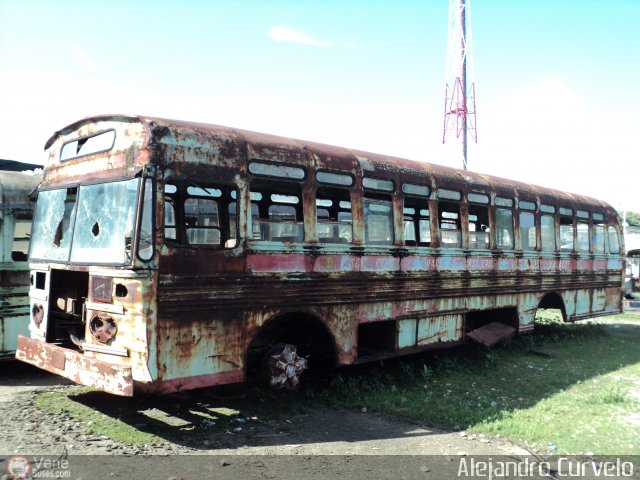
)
(417, 225)
(449, 219)
(333, 216)
(277, 211)
(478, 227)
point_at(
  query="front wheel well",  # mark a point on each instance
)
(307, 333)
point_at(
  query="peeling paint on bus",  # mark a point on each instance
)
(201, 315)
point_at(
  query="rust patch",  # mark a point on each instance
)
(58, 359)
(73, 365)
(103, 328)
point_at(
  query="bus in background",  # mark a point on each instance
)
(168, 255)
(16, 211)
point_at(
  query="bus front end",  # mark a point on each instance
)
(92, 284)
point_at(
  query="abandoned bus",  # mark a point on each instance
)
(169, 256)
(16, 210)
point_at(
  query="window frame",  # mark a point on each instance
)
(378, 200)
(267, 188)
(337, 196)
(442, 220)
(536, 247)
(86, 139)
(227, 232)
(544, 216)
(418, 205)
(266, 164)
(511, 231)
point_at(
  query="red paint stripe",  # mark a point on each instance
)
(375, 263)
(199, 381)
(336, 263)
(290, 262)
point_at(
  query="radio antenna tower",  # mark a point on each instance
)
(459, 102)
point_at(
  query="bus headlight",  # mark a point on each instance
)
(103, 328)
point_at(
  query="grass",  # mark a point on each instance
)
(142, 420)
(584, 398)
(93, 421)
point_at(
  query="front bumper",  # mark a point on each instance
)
(75, 366)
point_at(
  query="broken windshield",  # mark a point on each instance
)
(101, 217)
(52, 227)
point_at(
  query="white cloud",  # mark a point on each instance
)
(283, 34)
(82, 58)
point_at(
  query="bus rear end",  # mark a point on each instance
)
(16, 211)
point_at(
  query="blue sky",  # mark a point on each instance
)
(556, 81)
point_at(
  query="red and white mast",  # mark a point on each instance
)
(459, 102)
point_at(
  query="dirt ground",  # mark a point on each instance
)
(344, 434)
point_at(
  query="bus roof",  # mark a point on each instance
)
(231, 142)
(15, 166)
(15, 187)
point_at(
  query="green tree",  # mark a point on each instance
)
(633, 218)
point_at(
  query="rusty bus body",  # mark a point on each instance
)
(169, 255)
(16, 211)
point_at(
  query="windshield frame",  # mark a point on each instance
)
(129, 246)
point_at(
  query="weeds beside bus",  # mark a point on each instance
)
(169, 255)
(16, 211)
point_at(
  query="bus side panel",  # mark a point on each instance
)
(527, 307)
(200, 347)
(14, 305)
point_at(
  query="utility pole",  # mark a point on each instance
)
(459, 101)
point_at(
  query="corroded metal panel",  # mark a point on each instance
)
(190, 322)
(407, 333)
(451, 262)
(131, 307)
(583, 301)
(129, 151)
(294, 262)
(439, 329)
(492, 333)
(600, 263)
(507, 264)
(479, 264)
(599, 299)
(529, 264)
(378, 263)
(336, 263)
(417, 263)
(190, 383)
(76, 366)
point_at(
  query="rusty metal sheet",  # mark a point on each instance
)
(440, 329)
(76, 366)
(224, 146)
(491, 334)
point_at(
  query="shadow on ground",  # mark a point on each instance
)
(14, 373)
(232, 418)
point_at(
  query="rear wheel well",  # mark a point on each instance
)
(551, 302)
